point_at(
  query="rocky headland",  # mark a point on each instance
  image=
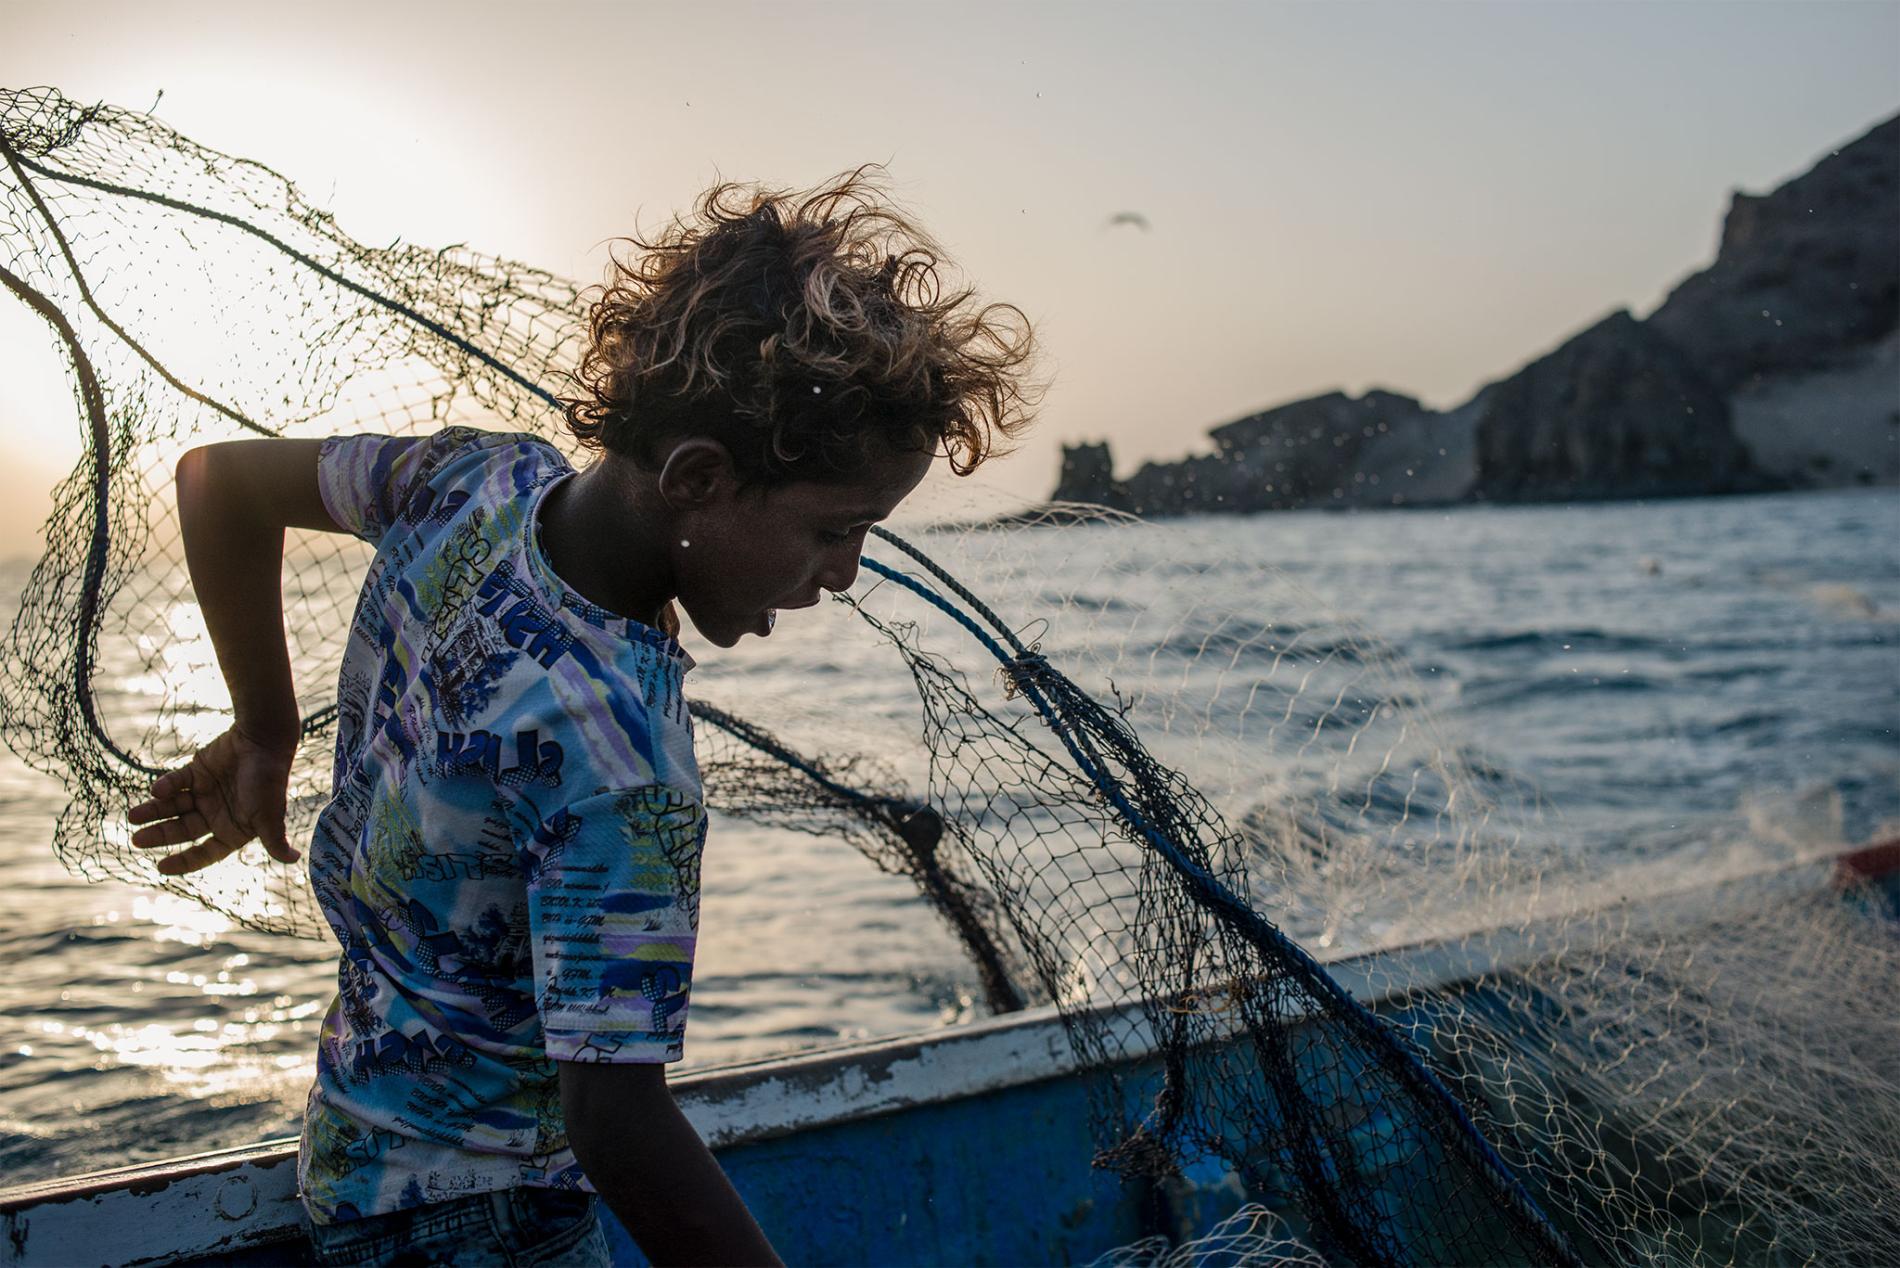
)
(1776, 367)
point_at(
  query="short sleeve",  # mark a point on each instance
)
(365, 480)
(613, 914)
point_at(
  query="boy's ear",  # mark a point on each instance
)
(697, 471)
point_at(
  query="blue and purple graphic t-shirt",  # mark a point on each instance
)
(510, 858)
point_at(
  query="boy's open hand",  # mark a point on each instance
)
(233, 792)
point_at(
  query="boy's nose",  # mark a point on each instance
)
(840, 569)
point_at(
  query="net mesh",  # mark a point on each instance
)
(1252, 1237)
(1547, 1074)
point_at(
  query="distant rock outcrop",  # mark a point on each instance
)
(1617, 411)
(1381, 449)
(1776, 366)
(1088, 475)
(1306, 451)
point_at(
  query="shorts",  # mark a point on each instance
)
(507, 1228)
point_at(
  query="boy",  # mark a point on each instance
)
(510, 855)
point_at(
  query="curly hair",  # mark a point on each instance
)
(797, 328)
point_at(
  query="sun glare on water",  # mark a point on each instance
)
(183, 682)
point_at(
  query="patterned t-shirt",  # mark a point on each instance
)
(510, 857)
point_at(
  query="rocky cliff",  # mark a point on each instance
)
(1777, 366)
(1617, 411)
(1804, 274)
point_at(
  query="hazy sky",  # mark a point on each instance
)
(1418, 197)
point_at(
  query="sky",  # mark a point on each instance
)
(1419, 197)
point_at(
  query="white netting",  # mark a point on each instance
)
(1252, 1237)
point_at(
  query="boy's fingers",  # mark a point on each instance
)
(170, 782)
(277, 844)
(186, 827)
(203, 854)
(161, 808)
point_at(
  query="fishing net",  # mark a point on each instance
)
(1137, 792)
(1252, 1237)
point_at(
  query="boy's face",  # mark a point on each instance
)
(746, 554)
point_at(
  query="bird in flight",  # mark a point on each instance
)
(1134, 218)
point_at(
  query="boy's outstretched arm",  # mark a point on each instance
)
(234, 502)
(652, 1169)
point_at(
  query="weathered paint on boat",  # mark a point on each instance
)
(968, 1145)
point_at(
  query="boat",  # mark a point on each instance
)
(966, 1145)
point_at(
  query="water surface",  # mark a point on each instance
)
(1671, 678)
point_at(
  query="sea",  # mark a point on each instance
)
(1670, 676)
